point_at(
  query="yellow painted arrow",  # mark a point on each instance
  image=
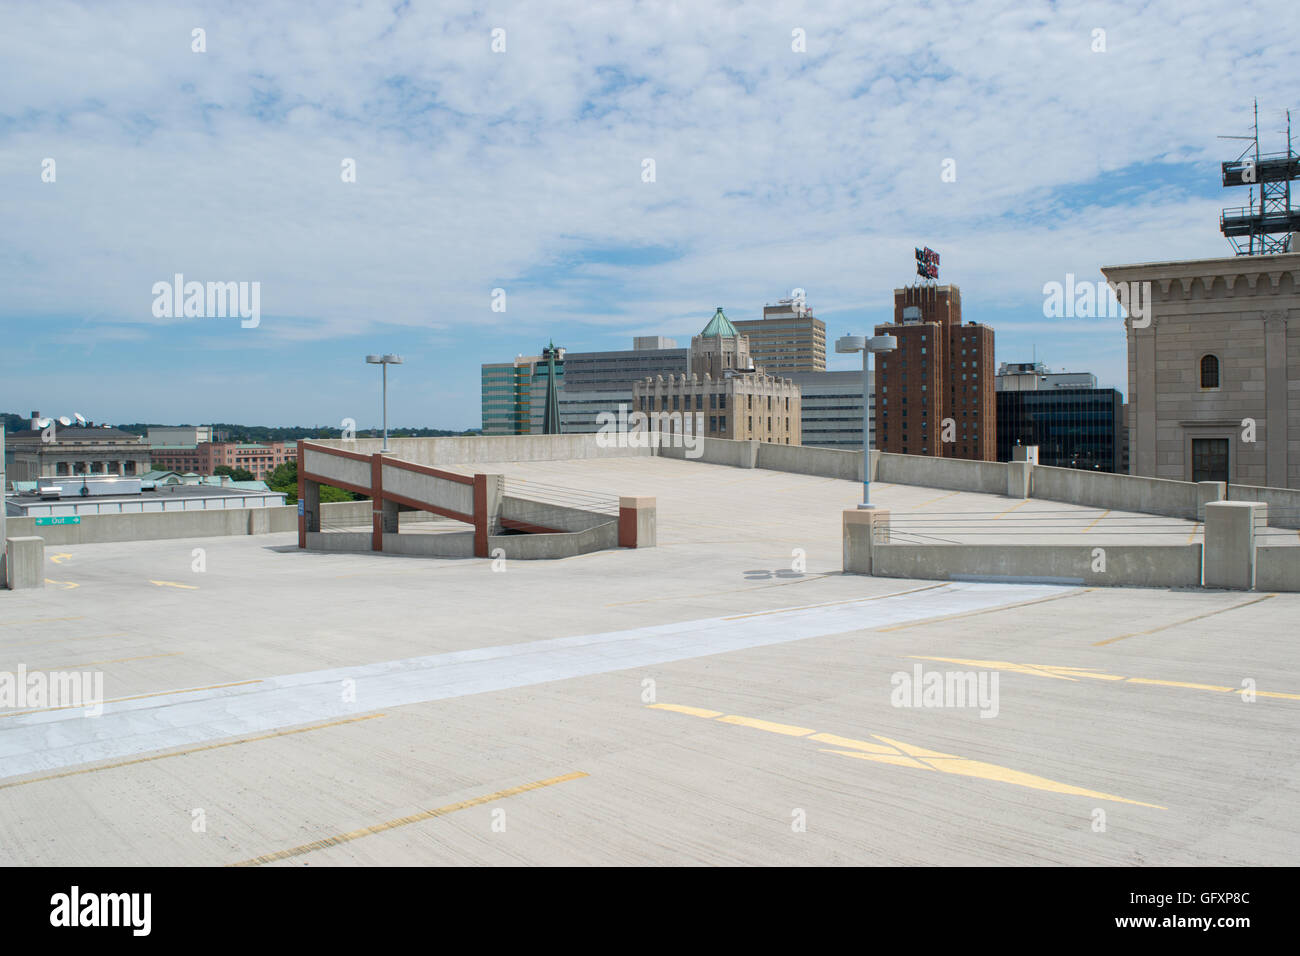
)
(59, 558)
(173, 584)
(67, 585)
(886, 750)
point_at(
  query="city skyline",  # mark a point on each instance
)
(811, 149)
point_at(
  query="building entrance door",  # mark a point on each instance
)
(1209, 459)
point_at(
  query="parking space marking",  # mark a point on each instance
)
(1186, 620)
(1062, 672)
(406, 821)
(895, 752)
(188, 750)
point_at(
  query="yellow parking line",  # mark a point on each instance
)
(189, 750)
(405, 821)
(117, 660)
(683, 709)
(118, 700)
(40, 620)
(1093, 524)
(991, 610)
(1011, 509)
(1064, 672)
(1191, 538)
(788, 729)
(897, 753)
(933, 500)
(1186, 620)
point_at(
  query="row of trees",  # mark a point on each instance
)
(285, 478)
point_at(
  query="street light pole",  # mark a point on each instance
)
(866, 345)
(384, 361)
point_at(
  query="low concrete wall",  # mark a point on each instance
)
(718, 451)
(1277, 569)
(536, 547)
(550, 516)
(805, 460)
(1283, 503)
(486, 450)
(353, 541)
(1159, 496)
(452, 544)
(161, 525)
(1148, 566)
(953, 474)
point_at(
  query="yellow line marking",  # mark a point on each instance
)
(1191, 538)
(405, 821)
(991, 610)
(1038, 670)
(1011, 509)
(59, 558)
(1186, 620)
(118, 660)
(788, 729)
(900, 754)
(809, 607)
(173, 584)
(1061, 672)
(189, 750)
(90, 637)
(118, 700)
(683, 709)
(67, 585)
(933, 500)
(41, 620)
(1178, 683)
(1094, 523)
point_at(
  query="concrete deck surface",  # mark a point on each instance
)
(710, 705)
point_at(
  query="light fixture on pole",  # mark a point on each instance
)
(385, 361)
(866, 345)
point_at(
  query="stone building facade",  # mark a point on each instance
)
(1214, 370)
(725, 392)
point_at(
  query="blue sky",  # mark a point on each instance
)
(522, 170)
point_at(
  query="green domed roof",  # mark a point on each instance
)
(719, 325)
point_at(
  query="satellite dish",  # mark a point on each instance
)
(43, 422)
(81, 419)
(65, 421)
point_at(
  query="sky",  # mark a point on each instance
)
(807, 146)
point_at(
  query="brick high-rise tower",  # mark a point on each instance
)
(934, 394)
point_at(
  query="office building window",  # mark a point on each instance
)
(1209, 371)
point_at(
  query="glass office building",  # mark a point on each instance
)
(1072, 427)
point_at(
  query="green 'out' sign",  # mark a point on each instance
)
(68, 519)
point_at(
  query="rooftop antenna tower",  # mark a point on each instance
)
(1266, 225)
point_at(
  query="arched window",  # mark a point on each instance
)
(1209, 371)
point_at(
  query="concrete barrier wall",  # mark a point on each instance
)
(487, 450)
(452, 544)
(162, 525)
(805, 460)
(1283, 503)
(347, 470)
(954, 474)
(534, 547)
(439, 492)
(550, 516)
(351, 541)
(1277, 569)
(1158, 496)
(1151, 566)
(718, 451)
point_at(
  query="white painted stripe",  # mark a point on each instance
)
(49, 740)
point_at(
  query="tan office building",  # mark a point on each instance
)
(1214, 370)
(788, 338)
(732, 398)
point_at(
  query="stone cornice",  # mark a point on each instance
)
(1229, 277)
